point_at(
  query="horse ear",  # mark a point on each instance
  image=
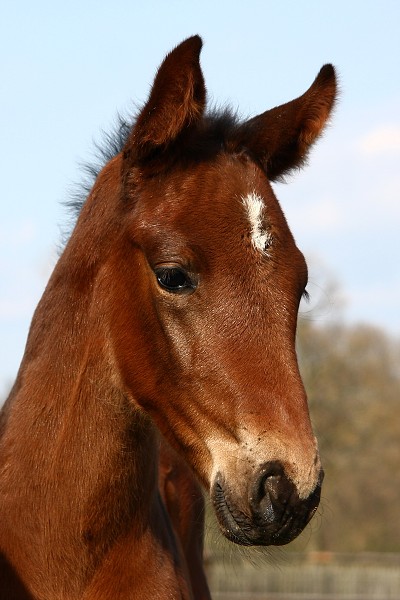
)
(176, 101)
(281, 137)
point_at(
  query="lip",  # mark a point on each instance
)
(228, 523)
(249, 530)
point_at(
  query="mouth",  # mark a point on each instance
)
(276, 525)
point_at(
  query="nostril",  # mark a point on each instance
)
(271, 491)
(321, 477)
(268, 480)
(271, 486)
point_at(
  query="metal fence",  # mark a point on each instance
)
(318, 576)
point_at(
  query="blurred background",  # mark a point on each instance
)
(68, 68)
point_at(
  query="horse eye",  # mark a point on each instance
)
(174, 280)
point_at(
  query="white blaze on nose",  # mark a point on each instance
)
(260, 238)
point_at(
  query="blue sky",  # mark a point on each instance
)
(67, 68)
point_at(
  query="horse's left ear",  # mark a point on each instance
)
(177, 101)
(281, 137)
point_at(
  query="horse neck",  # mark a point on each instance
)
(75, 448)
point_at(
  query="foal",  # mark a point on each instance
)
(172, 309)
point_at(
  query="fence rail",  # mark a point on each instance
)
(309, 577)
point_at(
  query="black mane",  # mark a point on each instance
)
(111, 144)
(217, 128)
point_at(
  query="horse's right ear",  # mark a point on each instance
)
(177, 101)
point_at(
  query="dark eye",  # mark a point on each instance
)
(174, 280)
